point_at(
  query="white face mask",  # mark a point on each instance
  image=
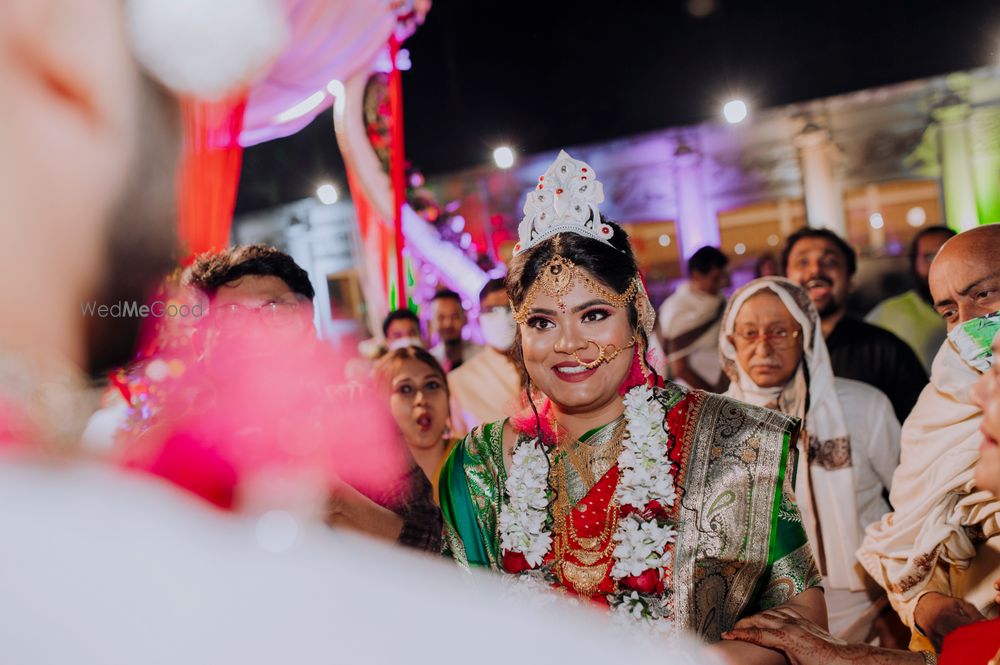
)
(498, 327)
(403, 342)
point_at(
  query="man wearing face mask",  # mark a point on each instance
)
(401, 328)
(937, 555)
(485, 387)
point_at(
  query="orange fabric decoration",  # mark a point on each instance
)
(210, 172)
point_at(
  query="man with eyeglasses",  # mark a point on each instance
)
(252, 291)
(773, 352)
(824, 264)
(260, 304)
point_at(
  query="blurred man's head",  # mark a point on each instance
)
(823, 263)
(924, 248)
(707, 270)
(965, 275)
(448, 316)
(253, 290)
(401, 328)
(86, 177)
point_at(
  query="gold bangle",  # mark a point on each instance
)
(930, 658)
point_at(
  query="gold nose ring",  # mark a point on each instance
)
(597, 361)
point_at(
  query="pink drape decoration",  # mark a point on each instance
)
(210, 173)
(329, 39)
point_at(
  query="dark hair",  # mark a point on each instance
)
(707, 259)
(388, 364)
(212, 270)
(398, 315)
(492, 286)
(923, 233)
(445, 294)
(850, 256)
(613, 265)
(758, 266)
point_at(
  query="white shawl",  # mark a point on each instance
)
(933, 490)
(824, 480)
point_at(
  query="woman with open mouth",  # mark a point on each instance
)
(663, 504)
(419, 401)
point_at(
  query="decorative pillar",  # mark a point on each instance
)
(697, 224)
(984, 136)
(821, 185)
(957, 179)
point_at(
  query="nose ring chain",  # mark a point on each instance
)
(605, 356)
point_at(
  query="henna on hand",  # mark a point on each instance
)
(805, 643)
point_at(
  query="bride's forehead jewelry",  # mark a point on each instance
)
(558, 277)
(565, 200)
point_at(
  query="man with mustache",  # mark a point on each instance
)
(823, 263)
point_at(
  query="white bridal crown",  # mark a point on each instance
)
(564, 201)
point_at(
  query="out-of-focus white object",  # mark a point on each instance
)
(735, 111)
(206, 48)
(504, 157)
(103, 566)
(327, 194)
(102, 428)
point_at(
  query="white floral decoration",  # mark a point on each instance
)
(642, 546)
(523, 519)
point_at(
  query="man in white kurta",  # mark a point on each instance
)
(689, 322)
(485, 387)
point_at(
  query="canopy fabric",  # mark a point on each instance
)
(329, 40)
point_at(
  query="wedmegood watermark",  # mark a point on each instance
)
(132, 310)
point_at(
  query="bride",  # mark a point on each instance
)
(666, 505)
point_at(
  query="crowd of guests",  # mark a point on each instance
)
(262, 436)
(907, 544)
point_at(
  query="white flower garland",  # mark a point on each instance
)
(644, 477)
(523, 520)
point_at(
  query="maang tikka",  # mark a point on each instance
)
(558, 277)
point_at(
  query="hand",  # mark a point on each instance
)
(805, 643)
(890, 631)
(347, 507)
(937, 615)
(996, 586)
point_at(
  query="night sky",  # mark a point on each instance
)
(542, 75)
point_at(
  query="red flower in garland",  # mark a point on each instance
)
(514, 562)
(648, 582)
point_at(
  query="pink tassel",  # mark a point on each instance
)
(635, 376)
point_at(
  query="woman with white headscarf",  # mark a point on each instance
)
(773, 351)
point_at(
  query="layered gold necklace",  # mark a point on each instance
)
(585, 513)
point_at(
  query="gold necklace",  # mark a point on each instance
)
(584, 561)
